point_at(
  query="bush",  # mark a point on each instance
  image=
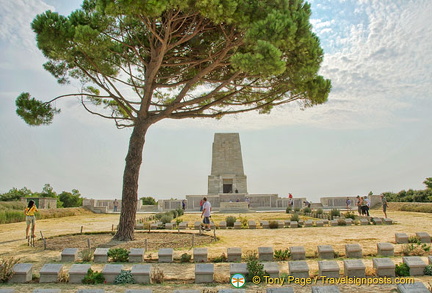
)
(349, 215)
(296, 210)
(295, 217)
(415, 249)
(341, 222)
(125, 277)
(174, 213)
(273, 225)
(157, 276)
(282, 254)
(334, 213)
(428, 270)
(221, 258)
(185, 257)
(414, 239)
(93, 277)
(402, 270)
(320, 211)
(254, 267)
(118, 254)
(307, 210)
(180, 212)
(158, 216)
(288, 209)
(6, 265)
(230, 220)
(166, 218)
(86, 255)
(243, 221)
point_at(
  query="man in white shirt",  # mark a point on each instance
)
(206, 213)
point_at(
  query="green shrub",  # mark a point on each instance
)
(230, 220)
(414, 239)
(288, 209)
(221, 258)
(320, 211)
(296, 210)
(93, 277)
(254, 267)
(273, 225)
(295, 217)
(158, 216)
(349, 215)
(180, 212)
(307, 210)
(243, 221)
(6, 265)
(402, 270)
(334, 213)
(125, 277)
(282, 254)
(428, 270)
(166, 218)
(118, 254)
(341, 222)
(185, 257)
(415, 249)
(174, 213)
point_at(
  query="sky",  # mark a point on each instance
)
(373, 134)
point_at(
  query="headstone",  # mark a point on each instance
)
(204, 273)
(183, 225)
(22, 273)
(234, 254)
(298, 269)
(300, 222)
(141, 273)
(326, 222)
(231, 291)
(265, 224)
(353, 250)
(138, 291)
(385, 249)
(319, 223)
(265, 253)
(7, 290)
(197, 225)
(384, 267)
(49, 273)
(401, 238)
(354, 268)
(328, 268)
(101, 255)
(333, 223)
(364, 221)
(293, 224)
(252, 224)
(281, 224)
(153, 226)
(417, 287)
(91, 291)
(237, 225)
(308, 223)
(272, 269)
(424, 237)
(200, 254)
(136, 255)
(169, 226)
(377, 221)
(388, 221)
(111, 271)
(280, 290)
(187, 291)
(297, 252)
(77, 272)
(416, 265)
(238, 268)
(46, 291)
(325, 289)
(348, 221)
(325, 251)
(166, 255)
(222, 225)
(69, 254)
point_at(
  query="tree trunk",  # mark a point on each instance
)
(125, 230)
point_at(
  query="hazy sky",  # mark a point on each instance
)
(374, 133)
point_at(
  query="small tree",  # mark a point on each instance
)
(148, 200)
(71, 199)
(428, 182)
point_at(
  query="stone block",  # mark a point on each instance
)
(46, 291)
(424, 237)
(187, 291)
(49, 273)
(333, 223)
(183, 225)
(348, 221)
(101, 255)
(222, 225)
(384, 267)
(298, 269)
(272, 268)
(325, 289)
(154, 226)
(22, 273)
(325, 252)
(364, 221)
(280, 290)
(354, 268)
(416, 265)
(7, 290)
(91, 291)
(238, 268)
(77, 272)
(69, 255)
(401, 238)
(388, 221)
(141, 273)
(308, 223)
(319, 223)
(353, 250)
(328, 268)
(136, 255)
(204, 273)
(301, 222)
(234, 254)
(265, 253)
(385, 249)
(377, 221)
(281, 224)
(252, 224)
(231, 291)
(265, 224)
(166, 255)
(169, 226)
(417, 287)
(294, 224)
(197, 225)
(138, 291)
(237, 225)
(111, 271)
(297, 252)
(200, 255)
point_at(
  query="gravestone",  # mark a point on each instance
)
(416, 265)
(111, 271)
(364, 221)
(69, 255)
(272, 269)
(329, 269)
(77, 272)
(141, 273)
(385, 249)
(354, 268)
(424, 237)
(353, 250)
(22, 273)
(204, 273)
(265, 253)
(325, 251)
(401, 238)
(280, 290)
(252, 224)
(238, 268)
(222, 225)
(297, 252)
(101, 255)
(325, 289)
(165, 255)
(136, 255)
(234, 254)
(200, 255)
(49, 273)
(384, 267)
(417, 287)
(293, 224)
(298, 269)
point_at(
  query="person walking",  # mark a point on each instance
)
(115, 204)
(206, 213)
(384, 204)
(31, 218)
(358, 204)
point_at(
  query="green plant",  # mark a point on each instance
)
(185, 257)
(93, 277)
(415, 249)
(157, 276)
(349, 215)
(178, 221)
(166, 219)
(282, 254)
(125, 277)
(273, 225)
(158, 216)
(180, 212)
(86, 255)
(288, 209)
(174, 214)
(295, 217)
(334, 213)
(63, 277)
(296, 210)
(230, 220)
(428, 270)
(402, 270)
(307, 210)
(118, 254)
(243, 221)
(6, 265)
(319, 211)
(414, 239)
(341, 222)
(221, 258)
(254, 267)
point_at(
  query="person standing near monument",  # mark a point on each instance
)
(31, 218)
(348, 203)
(384, 204)
(206, 213)
(358, 204)
(201, 205)
(115, 204)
